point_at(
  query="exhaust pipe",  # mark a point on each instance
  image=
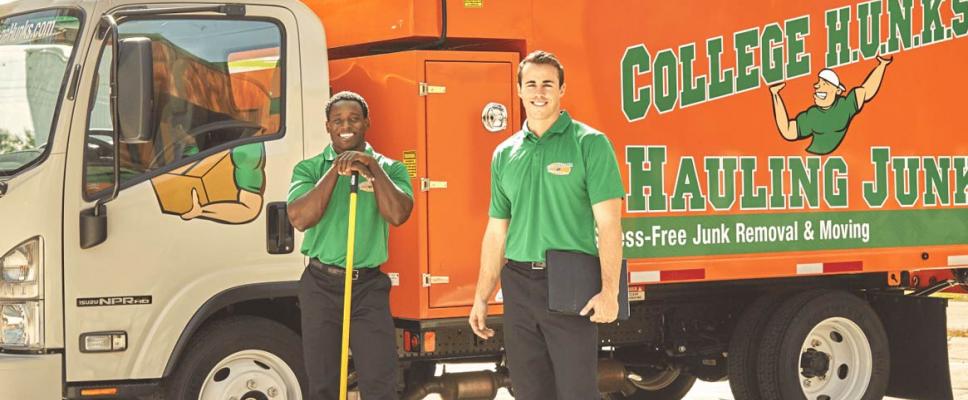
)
(478, 385)
(614, 378)
(481, 385)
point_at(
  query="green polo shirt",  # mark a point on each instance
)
(546, 186)
(326, 241)
(827, 127)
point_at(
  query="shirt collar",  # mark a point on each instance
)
(329, 154)
(562, 123)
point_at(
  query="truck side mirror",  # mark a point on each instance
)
(135, 90)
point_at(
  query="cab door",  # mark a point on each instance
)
(476, 112)
(191, 218)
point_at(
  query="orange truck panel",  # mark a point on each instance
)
(455, 138)
(443, 140)
(351, 23)
(682, 89)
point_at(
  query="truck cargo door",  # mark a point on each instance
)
(461, 96)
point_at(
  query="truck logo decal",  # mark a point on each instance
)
(818, 187)
(826, 122)
(560, 169)
(114, 301)
(366, 186)
(777, 52)
(794, 183)
(226, 187)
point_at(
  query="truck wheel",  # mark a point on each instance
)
(245, 358)
(744, 343)
(824, 345)
(669, 384)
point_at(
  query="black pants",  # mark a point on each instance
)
(372, 334)
(550, 356)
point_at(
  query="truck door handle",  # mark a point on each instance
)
(279, 232)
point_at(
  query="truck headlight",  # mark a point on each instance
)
(21, 325)
(21, 271)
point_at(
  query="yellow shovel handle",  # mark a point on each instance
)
(347, 299)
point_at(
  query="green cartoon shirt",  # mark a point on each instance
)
(546, 186)
(249, 161)
(827, 127)
(326, 241)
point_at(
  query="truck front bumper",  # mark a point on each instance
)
(29, 377)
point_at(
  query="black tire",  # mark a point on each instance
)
(223, 338)
(779, 357)
(744, 344)
(674, 391)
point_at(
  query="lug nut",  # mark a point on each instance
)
(272, 392)
(250, 384)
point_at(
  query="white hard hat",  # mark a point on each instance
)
(830, 76)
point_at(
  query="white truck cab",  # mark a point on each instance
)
(107, 289)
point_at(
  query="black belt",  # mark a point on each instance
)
(528, 264)
(335, 270)
(534, 270)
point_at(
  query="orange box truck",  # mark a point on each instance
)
(751, 253)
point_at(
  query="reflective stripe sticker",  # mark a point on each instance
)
(957, 260)
(638, 277)
(814, 268)
(684, 275)
(644, 277)
(829, 268)
(843, 266)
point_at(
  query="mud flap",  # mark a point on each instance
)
(917, 334)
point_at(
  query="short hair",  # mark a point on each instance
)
(347, 95)
(543, 58)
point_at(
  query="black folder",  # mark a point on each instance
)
(573, 278)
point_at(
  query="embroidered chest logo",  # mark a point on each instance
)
(559, 168)
(366, 186)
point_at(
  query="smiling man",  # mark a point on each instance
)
(829, 118)
(319, 205)
(552, 184)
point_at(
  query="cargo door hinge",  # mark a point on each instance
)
(426, 184)
(434, 280)
(424, 88)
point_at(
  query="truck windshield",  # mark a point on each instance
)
(35, 51)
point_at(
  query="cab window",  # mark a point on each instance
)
(217, 84)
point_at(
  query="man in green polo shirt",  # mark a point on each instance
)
(552, 184)
(319, 206)
(829, 118)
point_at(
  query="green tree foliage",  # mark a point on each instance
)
(10, 143)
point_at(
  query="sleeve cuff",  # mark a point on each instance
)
(606, 196)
